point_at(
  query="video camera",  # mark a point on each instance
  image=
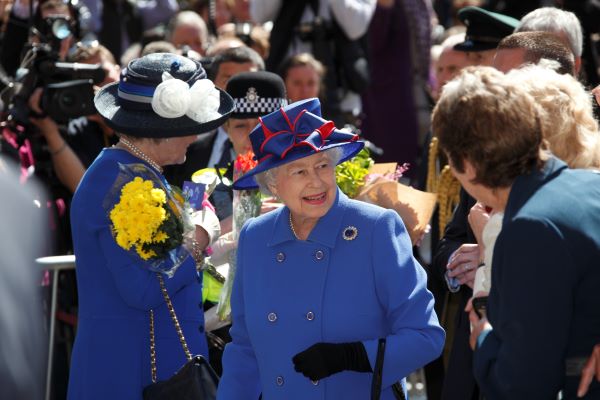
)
(67, 87)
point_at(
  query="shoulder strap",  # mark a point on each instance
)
(378, 371)
(175, 322)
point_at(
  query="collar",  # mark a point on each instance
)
(526, 185)
(221, 136)
(325, 232)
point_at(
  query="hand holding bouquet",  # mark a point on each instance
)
(150, 219)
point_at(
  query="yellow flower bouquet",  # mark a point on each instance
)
(149, 218)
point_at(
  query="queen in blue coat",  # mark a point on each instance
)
(322, 279)
(117, 290)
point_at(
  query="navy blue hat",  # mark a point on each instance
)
(485, 29)
(256, 93)
(294, 132)
(163, 95)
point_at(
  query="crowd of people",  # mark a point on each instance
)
(491, 105)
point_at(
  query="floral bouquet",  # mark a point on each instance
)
(149, 218)
(360, 178)
(246, 205)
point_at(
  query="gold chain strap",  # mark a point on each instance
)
(175, 322)
(152, 347)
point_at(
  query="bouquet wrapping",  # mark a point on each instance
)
(361, 179)
(246, 205)
(149, 218)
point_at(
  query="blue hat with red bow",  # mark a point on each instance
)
(294, 132)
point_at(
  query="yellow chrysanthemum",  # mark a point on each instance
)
(138, 215)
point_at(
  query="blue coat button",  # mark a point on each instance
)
(280, 257)
(272, 317)
(315, 382)
(279, 381)
(310, 316)
(319, 254)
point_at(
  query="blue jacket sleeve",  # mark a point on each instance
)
(401, 285)
(136, 284)
(521, 358)
(241, 379)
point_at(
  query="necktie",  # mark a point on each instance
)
(225, 155)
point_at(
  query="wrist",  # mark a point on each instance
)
(197, 253)
(58, 149)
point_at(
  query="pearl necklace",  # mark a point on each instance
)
(140, 154)
(292, 227)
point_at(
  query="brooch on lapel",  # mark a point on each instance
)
(350, 233)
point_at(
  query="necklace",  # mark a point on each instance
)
(292, 227)
(140, 154)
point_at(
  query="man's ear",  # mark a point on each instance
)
(469, 169)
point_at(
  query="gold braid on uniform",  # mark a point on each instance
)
(432, 161)
(448, 197)
(444, 184)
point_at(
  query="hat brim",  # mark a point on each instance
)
(249, 115)
(247, 181)
(148, 124)
(469, 45)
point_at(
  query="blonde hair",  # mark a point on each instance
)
(567, 119)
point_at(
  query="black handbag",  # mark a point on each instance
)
(195, 380)
(377, 375)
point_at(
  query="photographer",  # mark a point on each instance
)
(45, 13)
(84, 137)
(333, 31)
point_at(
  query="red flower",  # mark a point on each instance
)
(244, 163)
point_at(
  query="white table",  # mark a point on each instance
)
(53, 265)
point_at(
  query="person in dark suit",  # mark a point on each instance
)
(457, 254)
(544, 305)
(213, 148)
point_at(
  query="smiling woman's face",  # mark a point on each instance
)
(307, 186)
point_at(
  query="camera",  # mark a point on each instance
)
(318, 29)
(67, 87)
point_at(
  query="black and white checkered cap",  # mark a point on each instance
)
(260, 106)
(256, 94)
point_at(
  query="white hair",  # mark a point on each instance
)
(267, 178)
(554, 20)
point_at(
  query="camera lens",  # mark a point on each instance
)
(60, 28)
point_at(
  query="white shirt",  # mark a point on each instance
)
(217, 150)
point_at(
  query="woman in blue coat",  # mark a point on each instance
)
(322, 279)
(111, 355)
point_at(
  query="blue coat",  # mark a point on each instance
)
(290, 294)
(544, 303)
(111, 355)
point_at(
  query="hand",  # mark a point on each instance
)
(596, 93)
(478, 324)
(325, 359)
(201, 236)
(385, 3)
(463, 264)
(591, 368)
(478, 218)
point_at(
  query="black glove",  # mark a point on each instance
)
(324, 359)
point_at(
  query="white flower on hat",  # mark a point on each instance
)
(173, 98)
(205, 100)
